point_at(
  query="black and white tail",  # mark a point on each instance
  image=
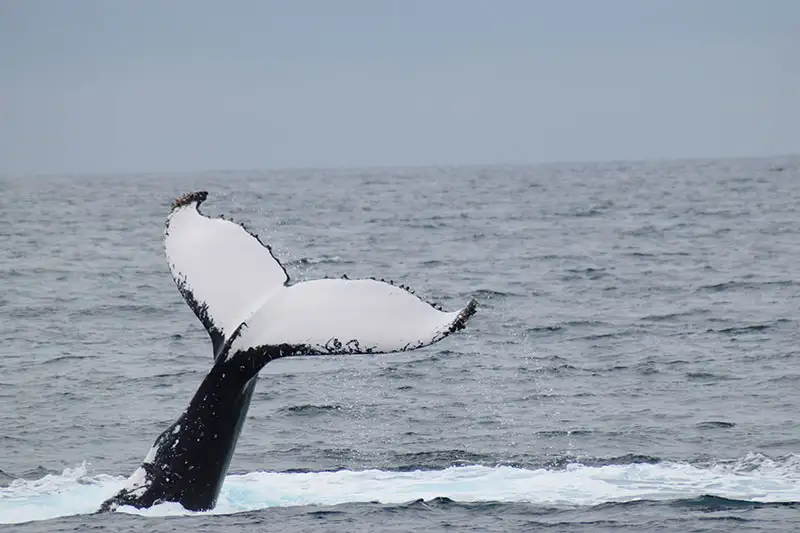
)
(229, 277)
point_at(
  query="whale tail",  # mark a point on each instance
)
(231, 279)
(242, 295)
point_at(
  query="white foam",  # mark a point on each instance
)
(69, 493)
(753, 478)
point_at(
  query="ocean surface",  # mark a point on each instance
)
(633, 366)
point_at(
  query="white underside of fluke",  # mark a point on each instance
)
(345, 316)
(229, 277)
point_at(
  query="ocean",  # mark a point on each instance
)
(633, 365)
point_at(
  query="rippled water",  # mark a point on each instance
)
(633, 363)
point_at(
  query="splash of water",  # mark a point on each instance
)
(753, 478)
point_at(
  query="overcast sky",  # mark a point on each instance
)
(152, 85)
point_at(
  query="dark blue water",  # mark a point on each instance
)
(633, 364)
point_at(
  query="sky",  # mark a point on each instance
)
(188, 85)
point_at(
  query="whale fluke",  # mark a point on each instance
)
(242, 295)
(228, 276)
